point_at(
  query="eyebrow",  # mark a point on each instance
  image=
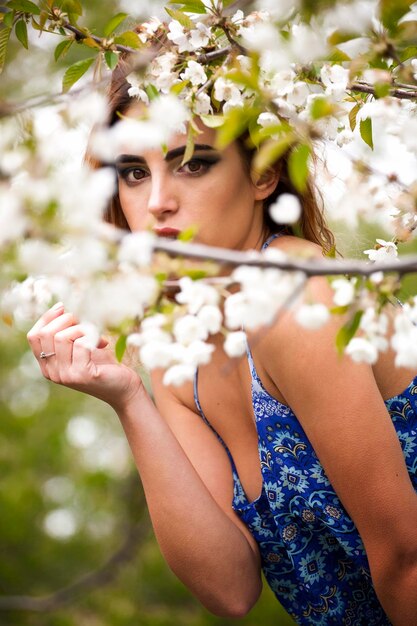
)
(170, 155)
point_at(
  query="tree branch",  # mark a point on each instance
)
(402, 94)
(310, 267)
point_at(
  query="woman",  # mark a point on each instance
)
(291, 462)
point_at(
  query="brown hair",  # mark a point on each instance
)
(312, 224)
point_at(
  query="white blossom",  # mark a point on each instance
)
(235, 344)
(404, 338)
(385, 252)
(177, 35)
(197, 353)
(298, 95)
(286, 209)
(91, 335)
(179, 374)
(279, 10)
(157, 354)
(267, 119)
(195, 294)
(335, 78)
(13, 221)
(210, 315)
(188, 329)
(195, 73)
(312, 316)
(344, 291)
(137, 248)
(199, 36)
(202, 104)
(361, 350)
(27, 300)
(136, 89)
(226, 91)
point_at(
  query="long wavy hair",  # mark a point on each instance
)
(312, 224)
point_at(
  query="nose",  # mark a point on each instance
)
(163, 200)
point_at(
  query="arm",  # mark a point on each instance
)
(189, 492)
(343, 414)
(188, 485)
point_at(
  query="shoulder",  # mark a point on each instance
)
(296, 246)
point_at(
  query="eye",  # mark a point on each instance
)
(132, 175)
(196, 166)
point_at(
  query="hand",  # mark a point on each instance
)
(74, 364)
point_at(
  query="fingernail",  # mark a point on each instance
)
(57, 306)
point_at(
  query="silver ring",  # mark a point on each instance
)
(44, 355)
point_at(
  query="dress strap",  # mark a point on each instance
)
(200, 410)
(271, 238)
(253, 372)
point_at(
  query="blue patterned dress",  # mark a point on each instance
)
(312, 555)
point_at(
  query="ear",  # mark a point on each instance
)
(266, 183)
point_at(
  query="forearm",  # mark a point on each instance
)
(202, 545)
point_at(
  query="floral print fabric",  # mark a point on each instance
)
(312, 555)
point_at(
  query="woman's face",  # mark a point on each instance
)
(212, 192)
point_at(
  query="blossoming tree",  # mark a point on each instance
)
(333, 79)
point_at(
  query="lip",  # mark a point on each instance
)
(169, 233)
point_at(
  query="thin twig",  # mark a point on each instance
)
(402, 94)
(309, 267)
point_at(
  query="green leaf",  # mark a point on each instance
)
(298, 166)
(8, 19)
(151, 92)
(392, 10)
(114, 23)
(194, 274)
(191, 6)
(120, 347)
(187, 234)
(74, 73)
(347, 331)
(353, 114)
(271, 151)
(24, 5)
(129, 38)
(71, 6)
(243, 78)
(382, 89)
(189, 148)
(112, 59)
(236, 121)
(4, 40)
(321, 107)
(366, 132)
(62, 48)
(22, 33)
(212, 121)
(181, 17)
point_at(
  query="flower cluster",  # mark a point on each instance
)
(294, 86)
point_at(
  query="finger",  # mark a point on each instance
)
(45, 340)
(48, 316)
(81, 352)
(64, 343)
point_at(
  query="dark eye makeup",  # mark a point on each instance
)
(134, 172)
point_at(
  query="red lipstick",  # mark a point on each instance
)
(171, 233)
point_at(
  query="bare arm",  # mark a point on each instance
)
(340, 408)
(189, 490)
(189, 501)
